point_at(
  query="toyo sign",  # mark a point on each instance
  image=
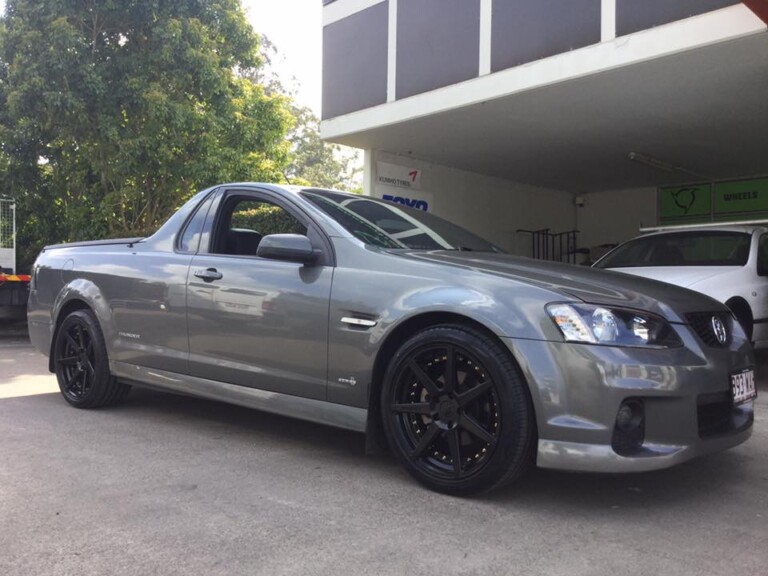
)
(405, 178)
(410, 202)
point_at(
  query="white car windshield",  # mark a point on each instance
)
(694, 248)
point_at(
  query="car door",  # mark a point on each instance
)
(146, 291)
(253, 321)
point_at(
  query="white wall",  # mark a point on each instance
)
(491, 207)
(615, 216)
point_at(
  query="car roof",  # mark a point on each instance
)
(747, 229)
(290, 188)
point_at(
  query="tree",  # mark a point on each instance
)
(318, 163)
(312, 161)
(113, 112)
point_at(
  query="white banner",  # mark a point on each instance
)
(398, 176)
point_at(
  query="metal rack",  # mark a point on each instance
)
(7, 235)
(556, 247)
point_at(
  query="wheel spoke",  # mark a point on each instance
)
(83, 381)
(455, 446)
(72, 341)
(73, 384)
(424, 379)
(470, 425)
(414, 408)
(450, 371)
(466, 397)
(67, 360)
(86, 383)
(425, 441)
(89, 367)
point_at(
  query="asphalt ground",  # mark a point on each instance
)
(169, 485)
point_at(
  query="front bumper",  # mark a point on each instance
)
(580, 457)
(577, 390)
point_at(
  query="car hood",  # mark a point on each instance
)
(583, 283)
(677, 275)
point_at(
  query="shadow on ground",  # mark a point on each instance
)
(240, 428)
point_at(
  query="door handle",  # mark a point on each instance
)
(209, 274)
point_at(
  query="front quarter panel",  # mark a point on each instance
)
(389, 291)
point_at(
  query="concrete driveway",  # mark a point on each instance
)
(172, 485)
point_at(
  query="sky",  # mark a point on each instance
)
(295, 27)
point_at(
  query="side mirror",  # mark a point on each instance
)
(293, 247)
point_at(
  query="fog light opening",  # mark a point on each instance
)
(629, 416)
(629, 430)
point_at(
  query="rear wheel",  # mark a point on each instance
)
(456, 411)
(82, 367)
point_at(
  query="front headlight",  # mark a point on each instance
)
(612, 326)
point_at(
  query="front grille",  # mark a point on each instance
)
(715, 412)
(701, 322)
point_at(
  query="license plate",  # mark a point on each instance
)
(743, 386)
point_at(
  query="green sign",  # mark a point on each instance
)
(680, 204)
(720, 201)
(741, 200)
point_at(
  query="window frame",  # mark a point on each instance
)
(317, 237)
(761, 271)
(209, 199)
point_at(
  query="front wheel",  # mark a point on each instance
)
(82, 367)
(456, 411)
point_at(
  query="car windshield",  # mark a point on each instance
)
(387, 225)
(699, 248)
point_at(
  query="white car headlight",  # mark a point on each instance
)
(592, 324)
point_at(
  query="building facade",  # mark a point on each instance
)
(511, 115)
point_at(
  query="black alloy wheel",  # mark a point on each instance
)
(75, 360)
(456, 411)
(81, 364)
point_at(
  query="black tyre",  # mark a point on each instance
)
(457, 412)
(744, 317)
(82, 366)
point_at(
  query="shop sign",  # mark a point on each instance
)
(678, 204)
(417, 203)
(398, 176)
(740, 200)
(720, 201)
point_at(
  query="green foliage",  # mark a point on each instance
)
(114, 112)
(313, 162)
(319, 163)
(267, 219)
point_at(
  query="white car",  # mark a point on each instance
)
(727, 262)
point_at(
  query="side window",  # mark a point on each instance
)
(190, 239)
(762, 256)
(245, 221)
